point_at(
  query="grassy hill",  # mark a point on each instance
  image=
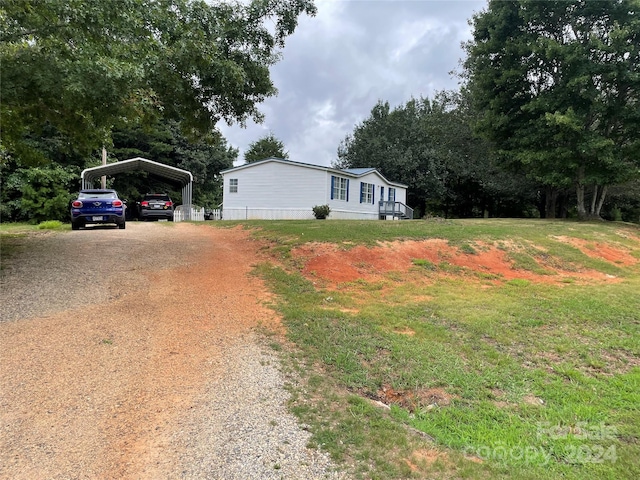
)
(463, 349)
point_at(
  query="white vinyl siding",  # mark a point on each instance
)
(275, 185)
(279, 189)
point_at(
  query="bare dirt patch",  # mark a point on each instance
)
(532, 400)
(424, 458)
(617, 255)
(413, 400)
(336, 265)
(628, 235)
(405, 331)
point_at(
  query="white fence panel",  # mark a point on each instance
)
(181, 211)
(197, 215)
(216, 214)
(247, 213)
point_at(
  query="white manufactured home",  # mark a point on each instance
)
(277, 189)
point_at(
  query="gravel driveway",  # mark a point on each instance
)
(133, 354)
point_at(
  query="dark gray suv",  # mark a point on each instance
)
(156, 206)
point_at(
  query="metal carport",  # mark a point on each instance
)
(183, 177)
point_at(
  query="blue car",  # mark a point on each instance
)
(97, 207)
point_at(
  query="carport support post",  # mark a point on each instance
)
(103, 179)
(186, 200)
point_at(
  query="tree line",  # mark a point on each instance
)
(545, 123)
(150, 77)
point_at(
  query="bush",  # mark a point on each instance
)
(321, 211)
(50, 225)
(38, 194)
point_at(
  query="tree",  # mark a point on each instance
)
(205, 160)
(398, 144)
(430, 146)
(623, 203)
(83, 66)
(475, 185)
(164, 142)
(37, 194)
(558, 85)
(265, 147)
(43, 193)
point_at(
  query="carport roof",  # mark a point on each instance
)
(183, 177)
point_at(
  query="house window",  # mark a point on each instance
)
(339, 188)
(233, 185)
(366, 192)
(392, 194)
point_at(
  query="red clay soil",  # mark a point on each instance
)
(601, 251)
(412, 400)
(337, 265)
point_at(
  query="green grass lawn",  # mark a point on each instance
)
(483, 377)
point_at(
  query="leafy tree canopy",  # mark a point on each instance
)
(37, 194)
(265, 147)
(164, 142)
(398, 143)
(558, 85)
(43, 193)
(429, 145)
(84, 66)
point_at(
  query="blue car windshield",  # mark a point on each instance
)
(97, 195)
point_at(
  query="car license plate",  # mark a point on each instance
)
(155, 205)
(97, 219)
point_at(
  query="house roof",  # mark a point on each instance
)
(358, 171)
(350, 172)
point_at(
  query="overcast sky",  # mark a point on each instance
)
(338, 64)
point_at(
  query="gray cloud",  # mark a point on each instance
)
(338, 64)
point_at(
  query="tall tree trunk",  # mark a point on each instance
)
(582, 211)
(551, 196)
(594, 200)
(564, 203)
(601, 201)
(541, 201)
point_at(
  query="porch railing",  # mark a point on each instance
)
(395, 209)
